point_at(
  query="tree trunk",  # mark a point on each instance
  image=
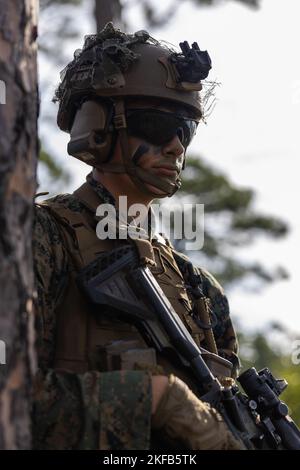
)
(108, 10)
(18, 156)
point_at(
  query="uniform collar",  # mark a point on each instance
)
(106, 197)
(103, 193)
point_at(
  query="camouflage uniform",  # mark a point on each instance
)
(97, 408)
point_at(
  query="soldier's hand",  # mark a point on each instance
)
(182, 416)
(159, 386)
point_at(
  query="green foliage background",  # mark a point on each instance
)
(258, 351)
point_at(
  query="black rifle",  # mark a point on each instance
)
(259, 419)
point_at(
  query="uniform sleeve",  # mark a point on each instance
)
(225, 335)
(51, 269)
(95, 410)
(107, 411)
(224, 332)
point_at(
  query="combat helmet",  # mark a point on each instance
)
(111, 68)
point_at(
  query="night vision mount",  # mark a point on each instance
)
(192, 65)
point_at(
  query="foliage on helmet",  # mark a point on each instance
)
(101, 67)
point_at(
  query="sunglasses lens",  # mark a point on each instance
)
(159, 127)
(186, 131)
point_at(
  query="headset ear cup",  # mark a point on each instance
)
(91, 148)
(91, 139)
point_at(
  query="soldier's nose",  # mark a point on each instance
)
(174, 147)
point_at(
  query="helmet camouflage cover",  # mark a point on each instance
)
(113, 66)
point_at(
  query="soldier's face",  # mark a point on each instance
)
(164, 160)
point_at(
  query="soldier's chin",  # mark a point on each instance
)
(155, 190)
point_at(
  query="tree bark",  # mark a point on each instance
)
(108, 10)
(18, 156)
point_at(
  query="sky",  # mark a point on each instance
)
(252, 134)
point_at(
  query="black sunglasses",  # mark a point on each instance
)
(159, 127)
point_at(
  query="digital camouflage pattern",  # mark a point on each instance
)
(224, 332)
(110, 410)
(106, 410)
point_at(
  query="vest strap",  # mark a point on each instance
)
(88, 197)
(145, 251)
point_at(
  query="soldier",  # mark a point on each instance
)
(131, 105)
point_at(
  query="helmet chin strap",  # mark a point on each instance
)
(138, 175)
